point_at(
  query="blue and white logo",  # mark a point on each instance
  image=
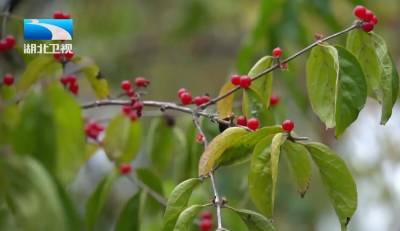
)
(48, 29)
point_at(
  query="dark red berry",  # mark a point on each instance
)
(139, 113)
(277, 52)
(66, 16)
(141, 82)
(10, 39)
(198, 100)
(130, 93)
(253, 124)
(274, 100)
(374, 20)
(242, 120)
(245, 81)
(235, 80)
(72, 79)
(186, 98)
(206, 225)
(133, 116)
(368, 26)
(125, 168)
(3, 45)
(126, 110)
(133, 100)
(57, 55)
(288, 125)
(205, 99)
(97, 127)
(58, 15)
(74, 88)
(200, 138)
(181, 91)
(359, 12)
(8, 79)
(126, 85)
(64, 80)
(368, 16)
(92, 133)
(206, 215)
(138, 106)
(69, 55)
(318, 36)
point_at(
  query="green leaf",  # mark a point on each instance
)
(224, 106)
(179, 198)
(9, 115)
(351, 91)
(254, 221)
(27, 58)
(260, 177)
(361, 45)
(385, 77)
(277, 141)
(129, 217)
(122, 139)
(299, 165)
(322, 74)
(338, 182)
(186, 218)
(217, 146)
(154, 183)
(7, 220)
(263, 85)
(33, 70)
(96, 79)
(8, 92)
(161, 144)
(32, 195)
(395, 81)
(254, 106)
(97, 200)
(242, 148)
(169, 225)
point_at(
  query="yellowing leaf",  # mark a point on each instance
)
(224, 106)
(263, 85)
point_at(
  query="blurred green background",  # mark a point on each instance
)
(198, 44)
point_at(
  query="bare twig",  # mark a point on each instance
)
(198, 127)
(217, 201)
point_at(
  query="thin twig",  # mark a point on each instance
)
(217, 201)
(198, 127)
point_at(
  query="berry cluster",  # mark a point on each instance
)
(206, 221)
(93, 130)
(186, 98)
(251, 123)
(8, 79)
(7, 43)
(59, 55)
(369, 20)
(125, 168)
(242, 81)
(71, 81)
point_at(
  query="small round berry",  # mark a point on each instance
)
(10, 39)
(57, 55)
(200, 138)
(126, 110)
(141, 82)
(205, 99)
(66, 16)
(207, 215)
(245, 81)
(92, 133)
(3, 45)
(69, 55)
(71, 79)
(126, 85)
(374, 20)
(125, 168)
(206, 225)
(368, 16)
(274, 100)
(181, 91)
(359, 12)
(139, 113)
(186, 98)
(133, 100)
(97, 126)
(242, 121)
(64, 80)
(277, 52)
(74, 88)
(253, 124)
(138, 106)
(58, 15)
(130, 93)
(133, 116)
(368, 26)
(288, 125)
(235, 80)
(198, 100)
(8, 79)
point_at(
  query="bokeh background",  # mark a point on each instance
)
(198, 44)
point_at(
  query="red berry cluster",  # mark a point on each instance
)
(288, 125)
(186, 98)
(242, 81)
(8, 79)
(367, 16)
(93, 130)
(125, 168)
(199, 100)
(252, 123)
(59, 55)
(7, 43)
(71, 81)
(206, 221)
(61, 15)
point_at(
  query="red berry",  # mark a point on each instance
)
(253, 123)
(318, 36)
(205, 99)
(133, 100)
(97, 127)
(71, 79)
(126, 110)
(138, 106)
(245, 81)
(69, 55)
(186, 98)
(58, 15)
(206, 215)
(200, 138)
(126, 85)
(66, 16)
(374, 20)
(64, 80)
(235, 80)
(3, 45)
(368, 26)
(277, 52)
(288, 125)
(242, 120)
(141, 82)
(130, 93)
(368, 16)
(206, 225)
(274, 100)
(10, 39)
(181, 91)
(198, 100)
(133, 116)
(74, 88)
(359, 12)
(57, 56)
(8, 79)
(125, 168)
(139, 113)
(92, 133)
